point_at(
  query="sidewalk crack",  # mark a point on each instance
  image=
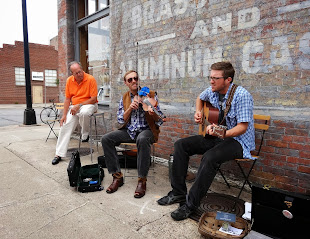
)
(67, 213)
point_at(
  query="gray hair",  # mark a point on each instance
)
(74, 62)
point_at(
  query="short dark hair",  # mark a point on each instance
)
(128, 72)
(226, 67)
(74, 62)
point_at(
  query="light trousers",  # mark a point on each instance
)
(83, 118)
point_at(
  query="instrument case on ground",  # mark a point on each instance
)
(74, 168)
(280, 214)
(86, 178)
(90, 178)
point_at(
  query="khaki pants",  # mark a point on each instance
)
(83, 118)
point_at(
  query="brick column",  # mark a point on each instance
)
(65, 42)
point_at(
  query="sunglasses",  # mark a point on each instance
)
(129, 80)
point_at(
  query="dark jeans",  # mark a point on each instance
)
(215, 151)
(115, 138)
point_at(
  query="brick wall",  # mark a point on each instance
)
(65, 42)
(42, 57)
(267, 42)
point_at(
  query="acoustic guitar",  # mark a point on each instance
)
(210, 115)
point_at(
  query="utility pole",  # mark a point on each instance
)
(29, 113)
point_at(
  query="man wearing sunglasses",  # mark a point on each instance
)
(79, 104)
(139, 126)
(235, 142)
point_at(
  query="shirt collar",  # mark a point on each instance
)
(227, 93)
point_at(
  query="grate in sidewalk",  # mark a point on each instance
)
(83, 151)
(218, 202)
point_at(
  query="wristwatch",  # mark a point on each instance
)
(80, 105)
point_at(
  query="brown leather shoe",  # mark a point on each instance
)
(117, 182)
(141, 188)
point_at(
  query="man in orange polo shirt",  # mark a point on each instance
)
(80, 103)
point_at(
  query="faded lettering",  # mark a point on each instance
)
(200, 29)
(181, 6)
(281, 56)
(248, 17)
(252, 52)
(304, 47)
(165, 10)
(136, 16)
(225, 24)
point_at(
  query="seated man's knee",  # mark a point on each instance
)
(143, 140)
(210, 160)
(104, 139)
(84, 113)
(87, 111)
(178, 144)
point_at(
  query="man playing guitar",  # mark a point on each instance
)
(233, 139)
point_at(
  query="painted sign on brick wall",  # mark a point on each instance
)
(173, 44)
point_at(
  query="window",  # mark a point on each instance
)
(102, 4)
(90, 7)
(20, 76)
(98, 55)
(92, 46)
(51, 78)
(96, 5)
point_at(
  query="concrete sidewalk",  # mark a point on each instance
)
(37, 202)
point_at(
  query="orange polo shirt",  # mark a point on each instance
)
(78, 93)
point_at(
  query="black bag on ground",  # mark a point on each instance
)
(90, 178)
(74, 168)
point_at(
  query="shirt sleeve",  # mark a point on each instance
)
(245, 108)
(205, 95)
(68, 95)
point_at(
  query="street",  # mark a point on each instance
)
(14, 114)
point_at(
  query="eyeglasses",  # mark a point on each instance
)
(129, 80)
(77, 73)
(216, 78)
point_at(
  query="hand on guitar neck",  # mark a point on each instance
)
(208, 120)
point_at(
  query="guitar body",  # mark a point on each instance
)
(210, 115)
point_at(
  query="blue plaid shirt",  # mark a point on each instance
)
(241, 111)
(137, 122)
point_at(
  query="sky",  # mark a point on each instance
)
(41, 16)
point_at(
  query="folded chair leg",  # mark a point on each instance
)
(246, 177)
(51, 130)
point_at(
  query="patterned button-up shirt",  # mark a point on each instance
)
(137, 122)
(241, 111)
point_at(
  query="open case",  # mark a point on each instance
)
(86, 178)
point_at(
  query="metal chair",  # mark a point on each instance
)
(130, 146)
(51, 122)
(96, 134)
(261, 125)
